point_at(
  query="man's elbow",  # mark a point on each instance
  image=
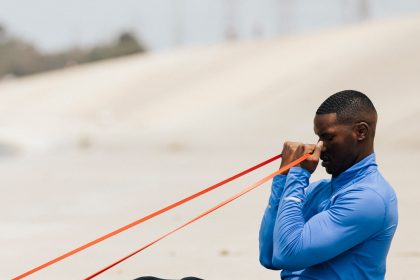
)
(276, 263)
(266, 262)
(286, 263)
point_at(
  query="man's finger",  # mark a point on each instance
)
(318, 148)
(308, 149)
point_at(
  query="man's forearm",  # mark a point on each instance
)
(290, 221)
(268, 222)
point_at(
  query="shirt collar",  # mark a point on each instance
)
(360, 169)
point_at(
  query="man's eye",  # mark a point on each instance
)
(328, 138)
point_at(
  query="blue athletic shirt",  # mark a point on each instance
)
(331, 229)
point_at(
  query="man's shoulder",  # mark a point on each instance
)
(317, 186)
(374, 195)
(376, 185)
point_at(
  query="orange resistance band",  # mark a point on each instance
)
(244, 191)
(145, 218)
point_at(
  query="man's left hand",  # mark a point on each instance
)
(311, 162)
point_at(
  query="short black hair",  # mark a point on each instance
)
(347, 104)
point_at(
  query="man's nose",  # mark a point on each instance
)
(323, 145)
(324, 148)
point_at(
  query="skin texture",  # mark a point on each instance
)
(341, 143)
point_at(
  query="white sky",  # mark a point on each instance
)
(56, 24)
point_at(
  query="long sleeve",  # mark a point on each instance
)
(297, 244)
(268, 222)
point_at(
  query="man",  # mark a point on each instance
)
(155, 278)
(340, 228)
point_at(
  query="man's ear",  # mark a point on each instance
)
(361, 130)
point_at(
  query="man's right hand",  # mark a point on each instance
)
(288, 154)
(294, 150)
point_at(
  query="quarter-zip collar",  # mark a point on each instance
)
(355, 172)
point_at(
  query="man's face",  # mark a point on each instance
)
(340, 148)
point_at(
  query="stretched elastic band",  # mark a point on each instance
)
(148, 217)
(244, 191)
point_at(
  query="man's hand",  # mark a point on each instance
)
(288, 154)
(294, 150)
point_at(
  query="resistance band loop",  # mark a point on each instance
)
(244, 191)
(145, 218)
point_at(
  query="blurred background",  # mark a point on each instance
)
(47, 34)
(110, 110)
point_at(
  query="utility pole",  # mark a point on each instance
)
(363, 9)
(355, 10)
(230, 32)
(178, 12)
(286, 14)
